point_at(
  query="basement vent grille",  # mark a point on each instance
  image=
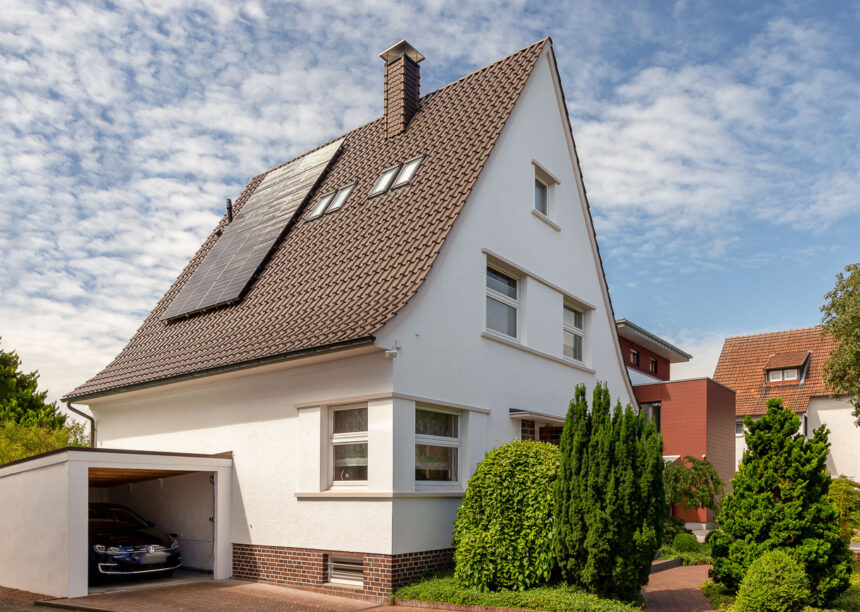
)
(342, 570)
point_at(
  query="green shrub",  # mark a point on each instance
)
(503, 535)
(692, 483)
(773, 583)
(672, 527)
(845, 493)
(610, 506)
(21, 441)
(685, 542)
(779, 500)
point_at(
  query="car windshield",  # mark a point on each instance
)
(113, 514)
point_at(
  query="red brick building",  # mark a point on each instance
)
(696, 417)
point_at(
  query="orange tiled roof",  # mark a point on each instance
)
(340, 277)
(744, 358)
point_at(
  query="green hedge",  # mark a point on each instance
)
(685, 542)
(503, 535)
(774, 583)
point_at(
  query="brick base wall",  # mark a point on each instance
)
(307, 568)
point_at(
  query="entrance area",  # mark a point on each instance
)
(83, 521)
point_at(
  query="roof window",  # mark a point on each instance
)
(404, 173)
(331, 201)
(407, 172)
(384, 180)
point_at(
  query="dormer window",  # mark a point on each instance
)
(787, 375)
(331, 201)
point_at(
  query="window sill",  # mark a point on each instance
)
(375, 494)
(537, 353)
(546, 220)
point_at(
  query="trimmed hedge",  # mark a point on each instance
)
(774, 583)
(685, 542)
(503, 535)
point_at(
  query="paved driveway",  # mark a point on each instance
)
(677, 589)
(212, 595)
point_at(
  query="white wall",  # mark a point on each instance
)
(179, 504)
(34, 512)
(844, 457)
(253, 413)
(443, 354)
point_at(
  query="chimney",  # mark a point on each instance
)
(401, 86)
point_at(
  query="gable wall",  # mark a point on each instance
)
(442, 352)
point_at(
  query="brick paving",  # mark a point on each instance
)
(677, 590)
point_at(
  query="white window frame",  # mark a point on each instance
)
(351, 563)
(427, 440)
(574, 330)
(543, 176)
(545, 196)
(741, 432)
(786, 377)
(774, 376)
(504, 299)
(379, 187)
(354, 437)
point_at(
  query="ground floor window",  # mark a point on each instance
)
(349, 445)
(437, 445)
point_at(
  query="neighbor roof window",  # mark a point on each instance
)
(384, 180)
(407, 172)
(782, 375)
(653, 366)
(331, 201)
(634, 357)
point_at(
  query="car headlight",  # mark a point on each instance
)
(174, 544)
(111, 550)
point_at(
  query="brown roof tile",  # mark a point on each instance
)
(340, 277)
(744, 359)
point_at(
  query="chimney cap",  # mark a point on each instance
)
(401, 48)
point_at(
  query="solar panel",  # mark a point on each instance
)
(231, 264)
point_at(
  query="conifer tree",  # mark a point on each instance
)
(779, 500)
(20, 400)
(609, 496)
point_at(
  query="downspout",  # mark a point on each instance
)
(90, 419)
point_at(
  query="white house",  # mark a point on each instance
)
(790, 365)
(371, 319)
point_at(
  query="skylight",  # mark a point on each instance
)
(384, 180)
(331, 201)
(407, 172)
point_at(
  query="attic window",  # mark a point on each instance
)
(782, 375)
(331, 201)
(384, 180)
(407, 172)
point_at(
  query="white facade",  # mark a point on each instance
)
(844, 436)
(277, 419)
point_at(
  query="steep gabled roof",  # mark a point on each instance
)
(339, 278)
(744, 360)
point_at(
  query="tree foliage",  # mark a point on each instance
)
(20, 441)
(779, 500)
(503, 531)
(609, 501)
(842, 320)
(845, 493)
(692, 483)
(20, 400)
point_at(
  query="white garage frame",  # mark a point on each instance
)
(44, 509)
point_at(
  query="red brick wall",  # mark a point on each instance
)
(306, 568)
(645, 357)
(697, 419)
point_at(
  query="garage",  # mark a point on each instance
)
(46, 500)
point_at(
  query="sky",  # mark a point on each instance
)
(718, 144)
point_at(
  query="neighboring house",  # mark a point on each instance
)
(380, 313)
(696, 416)
(790, 365)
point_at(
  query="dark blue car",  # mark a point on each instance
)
(122, 543)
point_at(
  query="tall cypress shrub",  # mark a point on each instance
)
(779, 500)
(609, 496)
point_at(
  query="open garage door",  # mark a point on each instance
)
(49, 499)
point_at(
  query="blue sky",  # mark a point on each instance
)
(718, 143)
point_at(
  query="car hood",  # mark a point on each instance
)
(128, 536)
